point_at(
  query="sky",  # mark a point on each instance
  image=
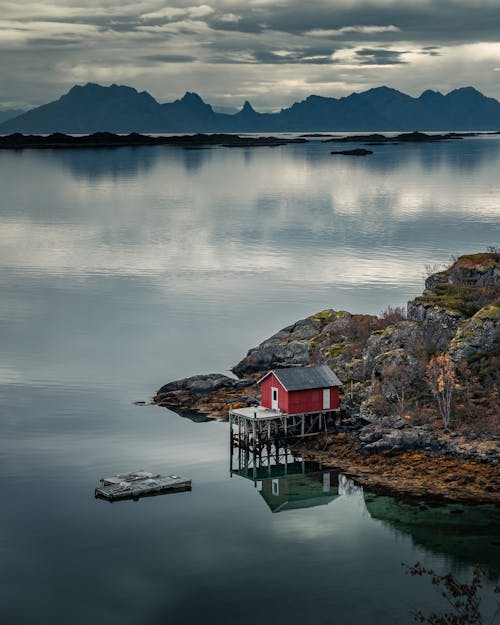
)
(271, 53)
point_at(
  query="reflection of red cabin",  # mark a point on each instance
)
(299, 390)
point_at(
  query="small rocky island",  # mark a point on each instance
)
(405, 137)
(355, 152)
(420, 396)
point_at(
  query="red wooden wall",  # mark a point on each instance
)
(265, 393)
(296, 402)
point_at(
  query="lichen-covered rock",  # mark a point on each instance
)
(328, 337)
(290, 346)
(478, 335)
(397, 344)
(482, 270)
(471, 282)
(382, 438)
(438, 324)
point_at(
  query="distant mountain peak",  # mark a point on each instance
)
(94, 90)
(466, 91)
(430, 93)
(382, 89)
(248, 108)
(192, 97)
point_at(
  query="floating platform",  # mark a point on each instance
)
(139, 484)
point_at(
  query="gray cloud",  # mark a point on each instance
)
(378, 56)
(169, 58)
(328, 47)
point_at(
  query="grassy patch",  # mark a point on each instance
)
(491, 311)
(464, 299)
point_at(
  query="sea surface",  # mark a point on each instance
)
(122, 269)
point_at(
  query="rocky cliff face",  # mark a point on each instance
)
(381, 361)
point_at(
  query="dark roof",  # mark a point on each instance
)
(304, 378)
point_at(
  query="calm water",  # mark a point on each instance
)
(124, 269)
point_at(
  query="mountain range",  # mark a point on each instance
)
(93, 108)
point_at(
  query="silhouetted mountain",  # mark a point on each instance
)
(9, 114)
(93, 108)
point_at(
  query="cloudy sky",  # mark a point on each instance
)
(269, 52)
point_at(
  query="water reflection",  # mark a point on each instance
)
(92, 165)
(463, 157)
(286, 481)
(122, 270)
(467, 534)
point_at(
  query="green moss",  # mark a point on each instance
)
(336, 350)
(452, 301)
(325, 316)
(340, 313)
(462, 298)
(491, 311)
(316, 340)
(389, 330)
(482, 258)
(484, 364)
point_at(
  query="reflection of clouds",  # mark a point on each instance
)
(189, 257)
(218, 216)
(9, 375)
(308, 524)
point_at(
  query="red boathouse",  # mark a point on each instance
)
(300, 390)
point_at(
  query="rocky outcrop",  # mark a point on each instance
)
(396, 438)
(396, 345)
(381, 361)
(209, 395)
(291, 346)
(438, 325)
(331, 337)
(477, 336)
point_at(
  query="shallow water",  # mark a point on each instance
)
(124, 269)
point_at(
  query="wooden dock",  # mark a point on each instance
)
(137, 484)
(256, 427)
(263, 439)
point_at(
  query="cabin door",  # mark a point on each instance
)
(274, 398)
(326, 399)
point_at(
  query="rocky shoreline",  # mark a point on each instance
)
(392, 436)
(412, 474)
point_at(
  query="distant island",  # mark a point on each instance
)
(394, 434)
(58, 140)
(121, 109)
(18, 141)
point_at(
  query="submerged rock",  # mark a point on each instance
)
(356, 152)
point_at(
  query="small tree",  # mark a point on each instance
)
(463, 598)
(396, 385)
(442, 380)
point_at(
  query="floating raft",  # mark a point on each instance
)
(139, 484)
